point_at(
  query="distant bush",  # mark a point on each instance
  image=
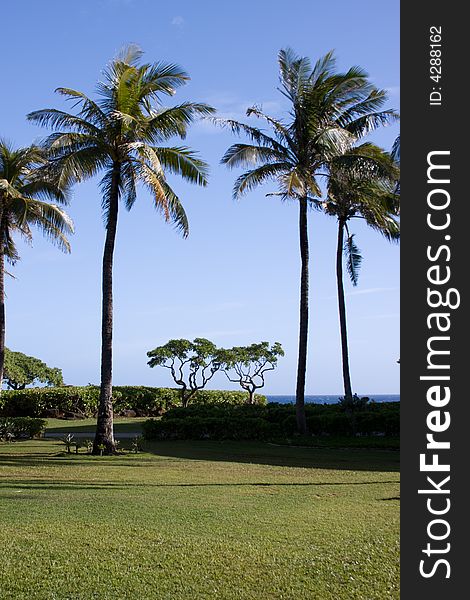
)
(17, 427)
(38, 402)
(214, 428)
(83, 401)
(262, 422)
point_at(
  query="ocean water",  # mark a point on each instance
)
(332, 399)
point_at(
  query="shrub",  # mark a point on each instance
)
(83, 401)
(69, 440)
(213, 428)
(36, 402)
(17, 427)
(244, 422)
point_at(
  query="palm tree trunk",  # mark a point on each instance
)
(2, 295)
(2, 316)
(104, 427)
(303, 331)
(342, 312)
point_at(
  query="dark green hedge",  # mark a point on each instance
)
(271, 421)
(145, 401)
(17, 427)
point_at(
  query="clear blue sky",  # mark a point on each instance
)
(236, 279)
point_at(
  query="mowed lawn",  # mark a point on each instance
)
(88, 426)
(197, 520)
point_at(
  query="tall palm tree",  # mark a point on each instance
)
(361, 185)
(328, 110)
(120, 134)
(27, 187)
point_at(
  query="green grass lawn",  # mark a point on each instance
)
(199, 520)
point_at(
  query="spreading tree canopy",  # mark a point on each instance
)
(22, 370)
(247, 365)
(191, 364)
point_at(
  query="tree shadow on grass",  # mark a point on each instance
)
(47, 484)
(343, 459)
(258, 453)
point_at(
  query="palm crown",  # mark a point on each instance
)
(26, 192)
(328, 112)
(362, 185)
(121, 133)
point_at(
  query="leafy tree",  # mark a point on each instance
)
(21, 370)
(27, 188)
(361, 185)
(192, 364)
(122, 134)
(328, 111)
(247, 365)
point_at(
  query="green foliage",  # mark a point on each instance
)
(88, 444)
(21, 370)
(27, 185)
(191, 364)
(354, 403)
(17, 427)
(37, 402)
(353, 258)
(329, 111)
(145, 401)
(69, 441)
(258, 422)
(121, 133)
(247, 365)
(218, 427)
(361, 185)
(136, 444)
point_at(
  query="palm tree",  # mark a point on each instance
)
(361, 185)
(120, 134)
(26, 188)
(328, 110)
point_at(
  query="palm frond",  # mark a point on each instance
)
(110, 186)
(58, 119)
(181, 160)
(396, 150)
(52, 220)
(174, 121)
(295, 72)
(279, 127)
(162, 78)
(45, 185)
(80, 164)
(365, 124)
(364, 162)
(90, 111)
(353, 258)
(324, 66)
(129, 184)
(241, 155)
(177, 213)
(251, 179)
(10, 251)
(254, 134)
(332, 141)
